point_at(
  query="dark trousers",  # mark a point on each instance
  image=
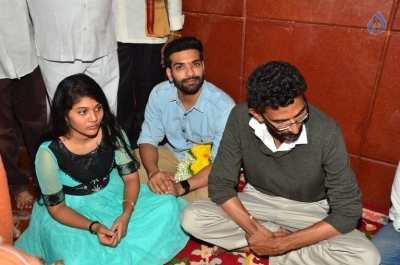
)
(140, 71)
(22, 103)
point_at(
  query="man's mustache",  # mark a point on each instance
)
(191, 78)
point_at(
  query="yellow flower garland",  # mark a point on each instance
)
(197, 158)
(202, 154)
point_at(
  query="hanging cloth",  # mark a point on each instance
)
(157, 24)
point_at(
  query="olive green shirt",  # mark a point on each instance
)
(310, 172)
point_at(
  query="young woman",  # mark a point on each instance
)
(92, 209)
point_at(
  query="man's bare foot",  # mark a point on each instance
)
(20, 215)
(217, 250)
(24, 200)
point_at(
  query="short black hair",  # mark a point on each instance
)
(274, 84)
(182, 44)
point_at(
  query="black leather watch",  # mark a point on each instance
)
(186, 186)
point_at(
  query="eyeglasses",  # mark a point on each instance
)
(285, 127)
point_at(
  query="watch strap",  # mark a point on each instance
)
(186, 186)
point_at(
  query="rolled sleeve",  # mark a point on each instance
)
(176, 23)
(342, 190)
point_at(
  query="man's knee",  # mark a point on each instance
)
(188, 218)
(370, 254)
(355, 248)
(196, 217)
(197, 195)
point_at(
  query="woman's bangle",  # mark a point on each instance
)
(90, 227)
(133, 205)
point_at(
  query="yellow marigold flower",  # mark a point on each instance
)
(197, 158)
(199, 164)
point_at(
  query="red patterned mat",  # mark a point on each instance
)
(199, 253)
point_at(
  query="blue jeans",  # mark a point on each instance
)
(387, 241)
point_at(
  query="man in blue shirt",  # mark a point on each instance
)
(185, 111)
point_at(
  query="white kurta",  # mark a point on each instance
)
(17, 46)
(130, 20)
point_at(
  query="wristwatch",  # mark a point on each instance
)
(186, 186)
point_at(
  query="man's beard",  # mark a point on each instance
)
(285, 136)
(291, 136)
(190, 89)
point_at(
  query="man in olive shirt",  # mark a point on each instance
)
(302, 203)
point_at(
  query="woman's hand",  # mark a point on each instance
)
(106, 237)
(120, 226)
(67, 216)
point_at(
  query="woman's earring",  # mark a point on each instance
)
(67, 123)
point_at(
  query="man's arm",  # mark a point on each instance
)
(149, 156)
(236, 211)
(263, 242)
(198, 181)
(152, 133)
(343, 193)
(159, 181)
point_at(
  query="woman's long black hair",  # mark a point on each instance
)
(70, 91)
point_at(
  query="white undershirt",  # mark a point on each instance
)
(261, 131)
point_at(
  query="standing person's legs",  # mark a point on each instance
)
(147, 73)
(125, 102)
(105, 71)
(54, 72)
(206, 221)
(9, 149)
(29, 97)
(387, 241)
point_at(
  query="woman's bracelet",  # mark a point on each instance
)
(90, 227)
(133, 205)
